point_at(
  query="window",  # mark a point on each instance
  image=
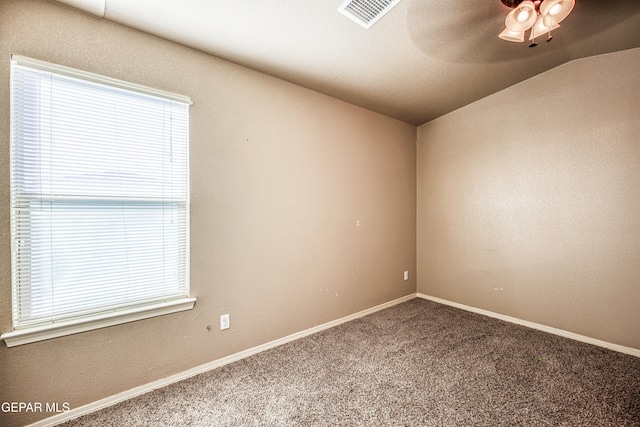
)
(100, 201)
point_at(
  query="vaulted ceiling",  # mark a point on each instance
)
(423, 59)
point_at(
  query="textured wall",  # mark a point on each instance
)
(529, 200)
(303, 211)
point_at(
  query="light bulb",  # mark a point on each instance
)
(555, 9)
(523, 15)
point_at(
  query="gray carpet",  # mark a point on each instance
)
(415, 364)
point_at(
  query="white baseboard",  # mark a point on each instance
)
(137, 391)
(544, 328)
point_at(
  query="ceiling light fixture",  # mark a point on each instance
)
(541, 16)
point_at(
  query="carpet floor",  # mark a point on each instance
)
(415, 364)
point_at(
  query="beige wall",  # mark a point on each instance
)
(529, 200)
(303, 211)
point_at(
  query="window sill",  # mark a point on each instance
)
(40, 333)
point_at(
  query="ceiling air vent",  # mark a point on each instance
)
(366, 12)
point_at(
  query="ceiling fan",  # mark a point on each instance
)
(541, 16)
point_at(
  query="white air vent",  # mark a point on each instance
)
(366, 12)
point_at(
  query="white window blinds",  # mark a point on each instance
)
(99, 195)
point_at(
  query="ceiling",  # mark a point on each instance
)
(423, 59)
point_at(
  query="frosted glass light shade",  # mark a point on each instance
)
(512, 36)
(539, 28)
(554, 11)
(522, 17)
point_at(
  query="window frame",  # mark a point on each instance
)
(28, 334)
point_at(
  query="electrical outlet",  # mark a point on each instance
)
(224, 321)
(406, 275)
